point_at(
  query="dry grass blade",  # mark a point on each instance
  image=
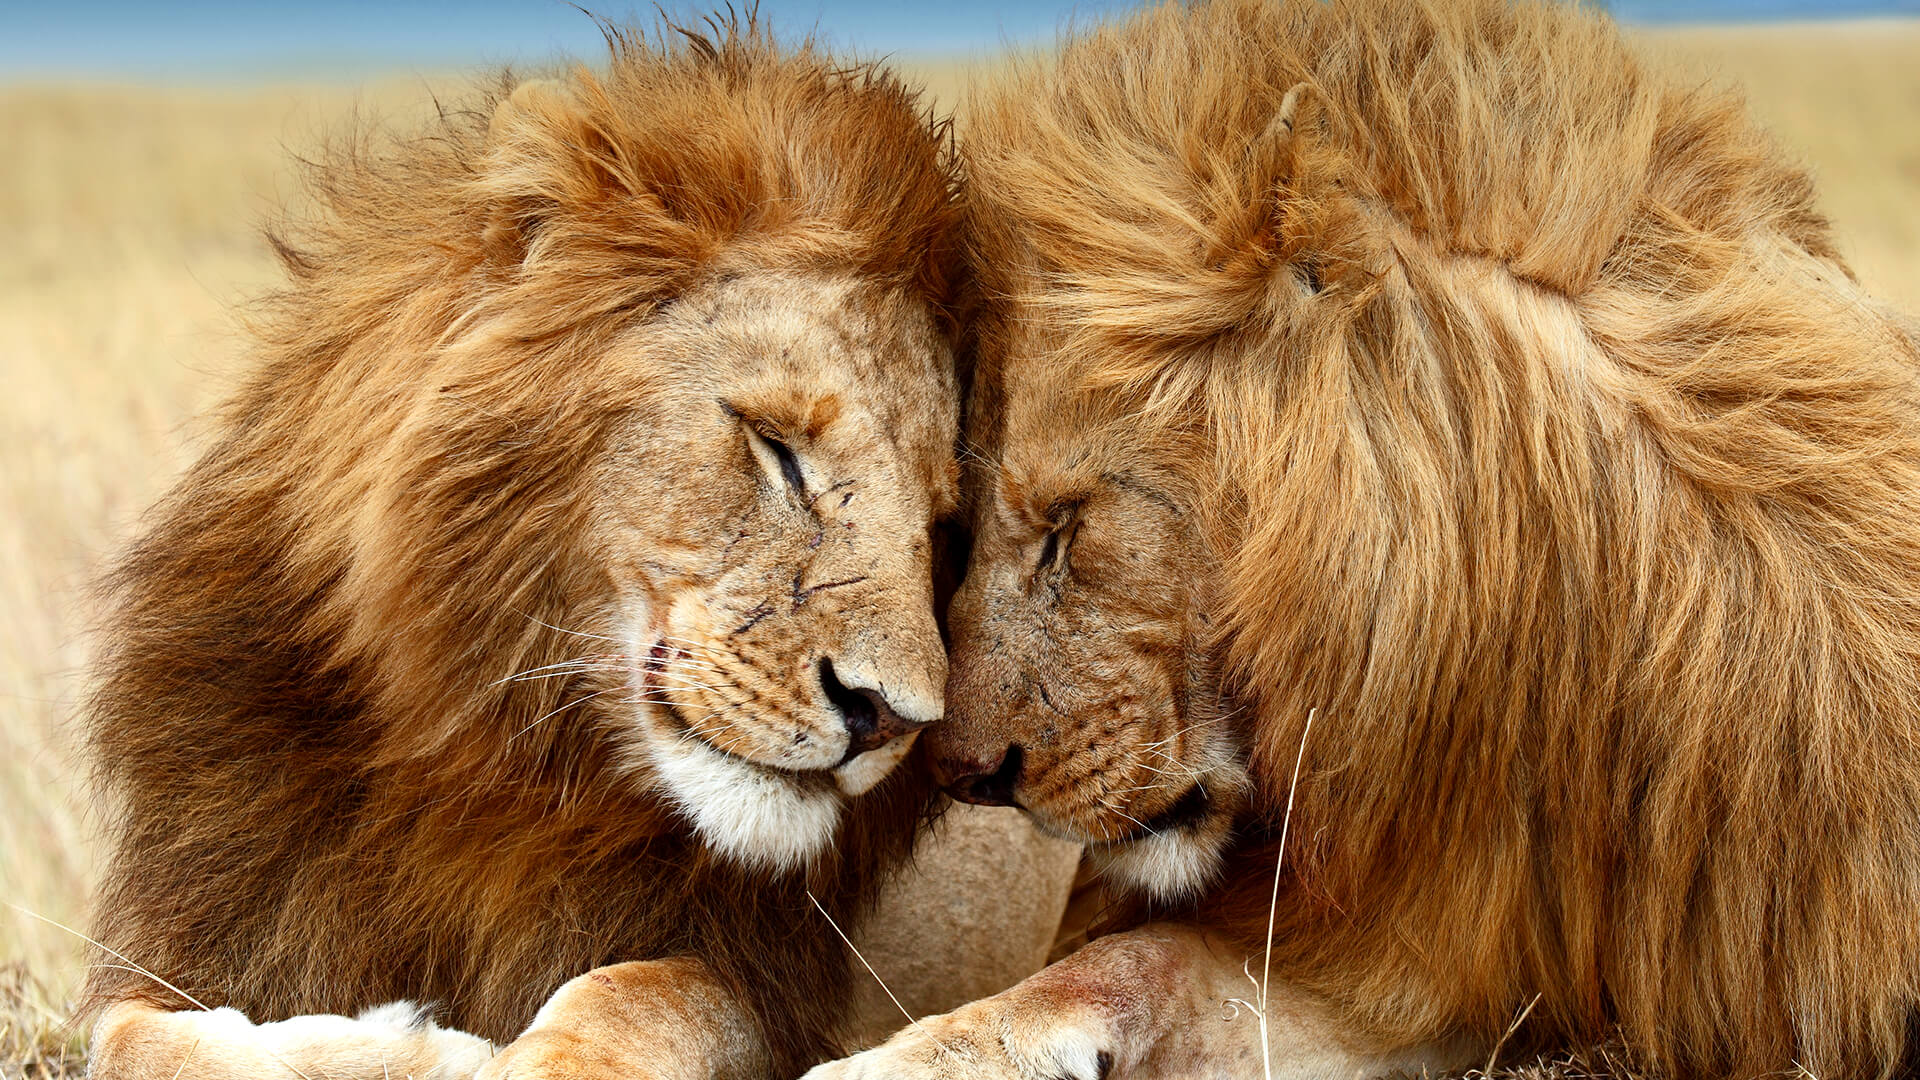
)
(36, 1043)
(875, 974)
(126, 963)
(1273, 905)
(1508, 1034)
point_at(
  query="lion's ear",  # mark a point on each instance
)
(1270, 158)
(532, 131)
(1272, 164)
(530, 102)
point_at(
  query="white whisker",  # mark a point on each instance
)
(564, 630)
(576, 664)
(557, 711)
(540, 676)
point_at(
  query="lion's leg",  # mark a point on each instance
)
(1164, 1001)
(648, 1020)
(977, 914)
(136, 1041)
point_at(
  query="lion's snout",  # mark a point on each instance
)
(871, 720)
(988, 779)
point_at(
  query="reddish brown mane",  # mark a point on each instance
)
(322, 794)
(1556, 462)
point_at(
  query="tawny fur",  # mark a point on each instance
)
(1518, 419)
(323, 794)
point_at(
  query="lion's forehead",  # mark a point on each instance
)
(826, 352)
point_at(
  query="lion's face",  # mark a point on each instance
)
(1080, 688)
(633, 468)
(767, 526)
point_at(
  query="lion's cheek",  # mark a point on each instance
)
(1170, 866)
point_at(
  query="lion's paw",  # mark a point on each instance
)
(135, 1041)
(988, 1040)
(557, 1054)
(544, 1055)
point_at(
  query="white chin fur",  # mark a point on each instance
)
(751, 815)
(858, 776)
(1168, 866)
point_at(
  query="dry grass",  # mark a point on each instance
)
(131, 222)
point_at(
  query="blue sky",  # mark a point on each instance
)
(214, 37)
(199, 39)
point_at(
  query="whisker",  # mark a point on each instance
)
(701, 733)
(738, 738)
(1197, 725)
(1114, 809)
(564, 630)
(577, 662)
(688, 666)
(683, 676)
(555, 712)
(538, 676)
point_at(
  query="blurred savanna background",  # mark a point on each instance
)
(142, 151)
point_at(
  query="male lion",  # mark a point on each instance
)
(1424, 402)
(557, 594)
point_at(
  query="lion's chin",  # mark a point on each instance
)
(857, 777)
(1170, 866)
(756, 816)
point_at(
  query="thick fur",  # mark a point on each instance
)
(1434, 371)
(480, 395)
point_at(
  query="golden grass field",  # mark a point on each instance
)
(131, 222)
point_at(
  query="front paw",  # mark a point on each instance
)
(557, 1055)
(995, 1039)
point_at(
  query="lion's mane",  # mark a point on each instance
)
(1561, 472)
(323, 793)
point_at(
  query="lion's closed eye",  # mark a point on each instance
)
(1054, 547)
(773, 449)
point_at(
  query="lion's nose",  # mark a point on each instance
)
(985, 783)
(871, 721)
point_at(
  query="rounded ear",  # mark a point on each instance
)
(1249, 213)
(1270, 157)
(529, 102)
(538, 118)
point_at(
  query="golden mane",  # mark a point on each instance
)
(324, 793)
(1552, 458)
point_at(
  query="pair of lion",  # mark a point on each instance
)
(1446, 537)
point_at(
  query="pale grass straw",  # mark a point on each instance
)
(184, 1060)
(1511, 1028)
(1273, 903)
(137, 969)
(130, 965)
(875, 974)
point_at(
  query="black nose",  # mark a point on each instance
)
(871, 722)
(989, 783)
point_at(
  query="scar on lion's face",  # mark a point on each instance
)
(1080, 688)
(769, 525)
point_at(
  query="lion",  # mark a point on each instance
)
(1447, 537)
(533, 655)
